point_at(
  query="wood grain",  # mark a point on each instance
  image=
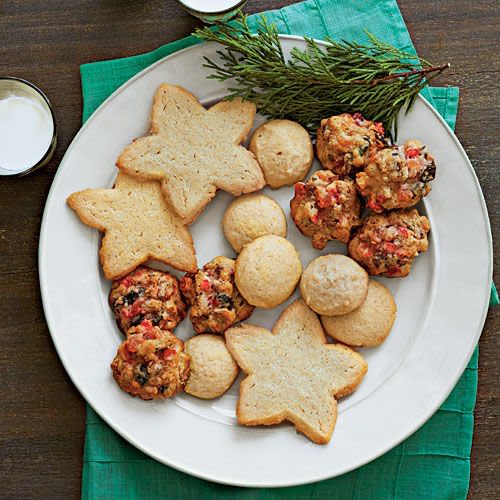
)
(42, 415)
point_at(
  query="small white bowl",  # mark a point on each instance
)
(212, 12)
(13, 86)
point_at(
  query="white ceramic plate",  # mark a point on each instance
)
(441, 306)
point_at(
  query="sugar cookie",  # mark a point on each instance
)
(369, 324)
(292, 373)
(267, 271)
(213, 369)
(138, 225)
(334, 284)
(251, 216)
(284, 151)
(194, 151)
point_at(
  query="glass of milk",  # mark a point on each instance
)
(211, 11)
(27, 127)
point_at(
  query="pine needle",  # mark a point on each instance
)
(375, 79)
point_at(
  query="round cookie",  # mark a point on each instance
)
(345, 143)
(387, 244)
(215, 301)
(267, 271)
(369, 324)
(213, 369)
(284, 151)
(397, 177)
(147, 294)
(151, 363)
(333, 285)
(326, 207)
(251, 216)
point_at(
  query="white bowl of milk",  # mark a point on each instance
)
(212, 11)
(27, 127)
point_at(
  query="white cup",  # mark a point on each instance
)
(28, 135)
(212, 11)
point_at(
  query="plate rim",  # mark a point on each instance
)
(186, 469)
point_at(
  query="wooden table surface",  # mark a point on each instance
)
(41, 413)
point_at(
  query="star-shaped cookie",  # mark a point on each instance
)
(194, 151)
(293, 374)
(138, 225)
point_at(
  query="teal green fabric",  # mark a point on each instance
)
(433, 463)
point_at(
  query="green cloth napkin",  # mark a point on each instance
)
(434, 462)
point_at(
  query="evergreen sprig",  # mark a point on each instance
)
(375, 79)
